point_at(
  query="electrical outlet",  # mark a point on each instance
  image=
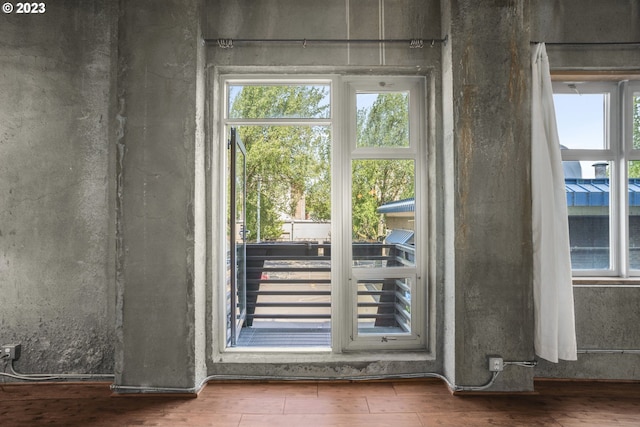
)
(10, 351)
(496, 364)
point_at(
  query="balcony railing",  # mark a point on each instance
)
(292, 282)
(288, 281)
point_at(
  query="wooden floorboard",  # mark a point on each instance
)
(323, 404)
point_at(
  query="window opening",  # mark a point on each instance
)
(296, 287)
(598, 126)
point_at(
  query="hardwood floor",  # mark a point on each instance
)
(317, 404)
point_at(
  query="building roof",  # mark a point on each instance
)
(399, 236)
(406, 205)
(595, 192)
(580, 192)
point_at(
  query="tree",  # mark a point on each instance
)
(375, 182)
(290, 162)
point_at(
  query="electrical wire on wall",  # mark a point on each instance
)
(53, 377)
(48, 377)
(420, 375)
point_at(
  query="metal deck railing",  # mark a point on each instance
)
(291, 282)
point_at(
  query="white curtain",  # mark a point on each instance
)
(555, 336)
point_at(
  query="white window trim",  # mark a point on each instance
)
(415, 86)
(628, 89)
(619, 136)
(341, 270)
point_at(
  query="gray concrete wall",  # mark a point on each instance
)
(491, 292)
(331, 19)
(56, 187)
(160, 260)
(607, 316)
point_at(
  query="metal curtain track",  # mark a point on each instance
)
(412, 43)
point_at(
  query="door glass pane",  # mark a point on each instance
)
(240, 238)
(288, 216)
(634, 215)
(382, 119)
(589, 214)
(383, 213)
(384, 305)
(581, 120)
(279, 101)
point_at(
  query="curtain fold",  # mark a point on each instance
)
(555, 336)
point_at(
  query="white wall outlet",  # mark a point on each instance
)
(496, 364)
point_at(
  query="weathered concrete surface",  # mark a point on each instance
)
(492, 289)
(157, 95)
(330, 19)
(56, 193)
(588, 21)
(585, 21)
(607, 318)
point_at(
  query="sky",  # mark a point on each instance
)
(580, 120)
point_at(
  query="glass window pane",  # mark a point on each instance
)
(581, 120)
(383, 213)
(384, 306)
(279, 101)
(634, 215)
(589, 218)
(382, 119)
(288, 182)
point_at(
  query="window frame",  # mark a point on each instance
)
(628, 89)
(415, 86)
(342, 152)
(618, 132)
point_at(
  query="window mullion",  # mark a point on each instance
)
(618, 184)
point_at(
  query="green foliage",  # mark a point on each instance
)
(375, 182)
(289, 161)
(386, 123)
(292, 162)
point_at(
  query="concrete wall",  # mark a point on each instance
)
(607, 315)
(160, 259)
(57, 211)
(489, 298)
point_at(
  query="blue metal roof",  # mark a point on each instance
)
(399, 236)
(595, 192)
(406, 205)
(580, 192)
(587, 192)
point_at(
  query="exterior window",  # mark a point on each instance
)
(322, 237)
(599, 130)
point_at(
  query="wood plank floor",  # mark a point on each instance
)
(318, 404)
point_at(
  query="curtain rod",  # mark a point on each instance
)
(586, 43)
(413, 43)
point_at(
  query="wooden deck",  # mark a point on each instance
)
(317, 404)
